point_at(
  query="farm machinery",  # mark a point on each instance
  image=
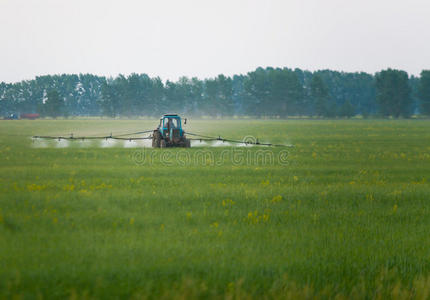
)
(169, 133)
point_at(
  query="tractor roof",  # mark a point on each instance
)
(170, 115)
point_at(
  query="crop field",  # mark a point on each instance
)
(343, 213)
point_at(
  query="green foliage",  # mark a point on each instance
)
(393, 93)
(347, 110)
(346, 217)
(273, 92)
(109, 100)
(54, 105)
(264, 92)
(319, 95)
(424, 92)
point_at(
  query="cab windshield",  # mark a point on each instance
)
(171, 122)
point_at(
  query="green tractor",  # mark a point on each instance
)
(169, 133)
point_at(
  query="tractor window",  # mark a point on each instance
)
(174, 123)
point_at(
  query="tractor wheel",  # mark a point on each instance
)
(156, 139)
(187, 143)
(155, 142)
(163, 144)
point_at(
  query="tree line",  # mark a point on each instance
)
(265, 92)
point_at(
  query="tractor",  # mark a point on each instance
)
(169, 133)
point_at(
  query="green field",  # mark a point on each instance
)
(345, 212)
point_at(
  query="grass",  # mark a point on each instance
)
(345, 215)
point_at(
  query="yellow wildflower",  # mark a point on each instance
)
(277, 199)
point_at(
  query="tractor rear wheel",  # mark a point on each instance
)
(187, 144)
(163, 144)
(156, 139)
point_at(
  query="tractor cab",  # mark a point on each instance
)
(170, 126)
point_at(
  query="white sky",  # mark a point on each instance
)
(169, 38)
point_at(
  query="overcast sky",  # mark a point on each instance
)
(172, 38)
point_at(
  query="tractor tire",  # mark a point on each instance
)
(187, 143)
(155, 142)
(163, 144)
(156, 139)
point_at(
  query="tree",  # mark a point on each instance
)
(263, 92)
(238, 93)
(210, 94)
(393, 93)
(7, 105)
(54, 105)
(196, 95)
(347, 110)
(224, 103)
(424, 92)
(257, 93)
(156, 97)
(109, 99)
(285, 92)
(184, 94)
(319, 93)
(175, 96)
